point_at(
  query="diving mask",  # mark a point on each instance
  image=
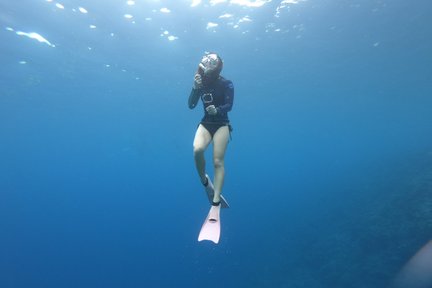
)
(210, 63)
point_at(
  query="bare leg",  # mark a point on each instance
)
(220, 142)
(200, 144)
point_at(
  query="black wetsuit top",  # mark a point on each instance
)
(220, 93)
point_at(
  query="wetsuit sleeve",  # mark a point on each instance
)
(193, 98)
(229, 98)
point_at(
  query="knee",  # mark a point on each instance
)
(218, 162)
(197, 149)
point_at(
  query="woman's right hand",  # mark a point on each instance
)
(197, 81)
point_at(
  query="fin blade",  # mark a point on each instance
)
(210, 229)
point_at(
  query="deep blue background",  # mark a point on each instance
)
(332, 121)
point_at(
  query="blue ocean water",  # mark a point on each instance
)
(328, 174)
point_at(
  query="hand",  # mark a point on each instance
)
(197, 81)
(211, 110)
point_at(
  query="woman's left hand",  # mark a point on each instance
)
(211, 110)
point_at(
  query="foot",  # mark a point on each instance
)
(209, 189)
(216, 200)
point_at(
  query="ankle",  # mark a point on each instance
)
(216, 200)
(216, 203)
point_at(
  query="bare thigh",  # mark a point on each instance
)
(220, 143)
(202, 139)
